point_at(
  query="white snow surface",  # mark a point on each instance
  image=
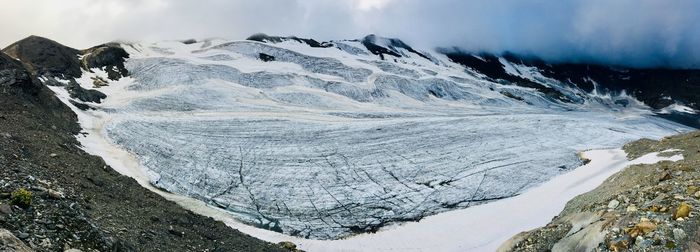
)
(324, 143)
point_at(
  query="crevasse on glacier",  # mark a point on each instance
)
(326, 142)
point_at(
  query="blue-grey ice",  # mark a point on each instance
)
(327, 142)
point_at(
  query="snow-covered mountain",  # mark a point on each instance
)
(326, 139)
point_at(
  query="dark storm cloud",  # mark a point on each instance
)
(629, 32)
(626, 32)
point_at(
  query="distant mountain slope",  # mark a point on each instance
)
(657, 88)
(664, 90)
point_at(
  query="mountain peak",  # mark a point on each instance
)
(43, 56)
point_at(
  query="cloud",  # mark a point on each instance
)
(625, 32)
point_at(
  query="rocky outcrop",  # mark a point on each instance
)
(82, 94)
(14, 77)
(18, 85)
(110, 57)
(642, 208)
(389, 46)
(266, 57)
(50, 60)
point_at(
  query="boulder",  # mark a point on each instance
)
(5, 209)
(683, 211)
(8, 242)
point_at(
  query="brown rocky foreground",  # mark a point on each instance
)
(641, 208)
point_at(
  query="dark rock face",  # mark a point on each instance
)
(376, 49)
(17, 84)
(46, 57)
(493, 69)
(109, 56)
(13, 76)
(81, 106)
(370, 42)
(657, 88)
(266, 57)
(189, 41)
(85, 95)
(261, 37)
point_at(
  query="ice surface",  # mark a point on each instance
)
(484, 227)
(326, 142)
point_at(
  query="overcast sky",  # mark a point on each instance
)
(628, 32)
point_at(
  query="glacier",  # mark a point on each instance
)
(326, 142)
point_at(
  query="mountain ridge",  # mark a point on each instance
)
(659, 88)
